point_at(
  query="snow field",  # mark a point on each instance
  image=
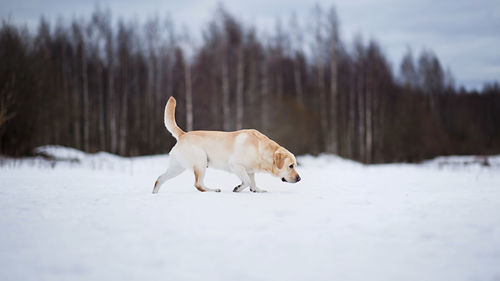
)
(97, 220)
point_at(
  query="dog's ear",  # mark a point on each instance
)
(279, 159)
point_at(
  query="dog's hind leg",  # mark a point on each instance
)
(174, 169)
(241, 172)
(253, 186)
(199, 175)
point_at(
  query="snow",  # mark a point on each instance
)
(94, 218)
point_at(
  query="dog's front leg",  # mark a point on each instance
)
(253, 186)
(241, 172)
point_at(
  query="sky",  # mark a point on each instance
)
(464, 34)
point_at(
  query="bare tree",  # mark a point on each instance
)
(360, 96)
(279, 48)
(224, 51)
(408, 71)
(369, 93)
(236, 52)
(264, 93)
(351, 120)
(98, 28)
(189, 46)
(254, 56)
(297, 43)
(239, 87)
(431, 78)
(332, 145)
(318, 50)
(124, 41)
(80, 37)
(7, 102)
(152, 32)
(225, 87)
(112, 100)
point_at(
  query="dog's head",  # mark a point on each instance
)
(284, 165)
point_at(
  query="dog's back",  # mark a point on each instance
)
(222, 148)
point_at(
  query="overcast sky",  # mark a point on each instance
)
(464, 34)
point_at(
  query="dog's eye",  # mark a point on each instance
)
(291, 166)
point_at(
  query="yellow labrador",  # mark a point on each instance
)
(241, 152)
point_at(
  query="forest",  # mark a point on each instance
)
(100, 84)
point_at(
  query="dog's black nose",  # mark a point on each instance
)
(297, 179)
(283, 179)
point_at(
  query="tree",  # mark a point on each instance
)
(297, 46)
(79, 35)
(188, 45)
(408, 71)
(124, 40)
(7, 102)
(94, 85)
(333, 39)
(99, 27)
(319, 52)
(431, 78)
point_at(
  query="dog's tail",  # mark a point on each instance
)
(170, 119)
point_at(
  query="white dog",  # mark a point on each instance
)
(241, 152)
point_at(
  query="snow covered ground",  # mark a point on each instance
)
(93, 217)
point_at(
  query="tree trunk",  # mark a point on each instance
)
(362, 120)
(264, 97)
(225, 94)
(239, 89)
(189, 96)
(102, 111)
(279, 78)
(75, 106)
(298, 81)
(369, 116)
(158, 108)
(322, 103)
(112, 103)
(253, 92)
(124, 106)
(333, 143)
(86, 102)
(354, 117)
(347, 146)
(150, 96)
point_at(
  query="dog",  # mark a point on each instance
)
(242, 152)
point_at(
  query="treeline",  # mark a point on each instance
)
(96, 84)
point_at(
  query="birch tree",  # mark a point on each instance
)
(189, 47)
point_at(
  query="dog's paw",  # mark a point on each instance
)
(217, 190)
(237, 189)
(257, 190)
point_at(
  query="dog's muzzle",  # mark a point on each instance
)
(297, 179)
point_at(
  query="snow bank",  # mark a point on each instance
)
(325, 160)
(54, 156)
(458, 162)
(96, 219)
